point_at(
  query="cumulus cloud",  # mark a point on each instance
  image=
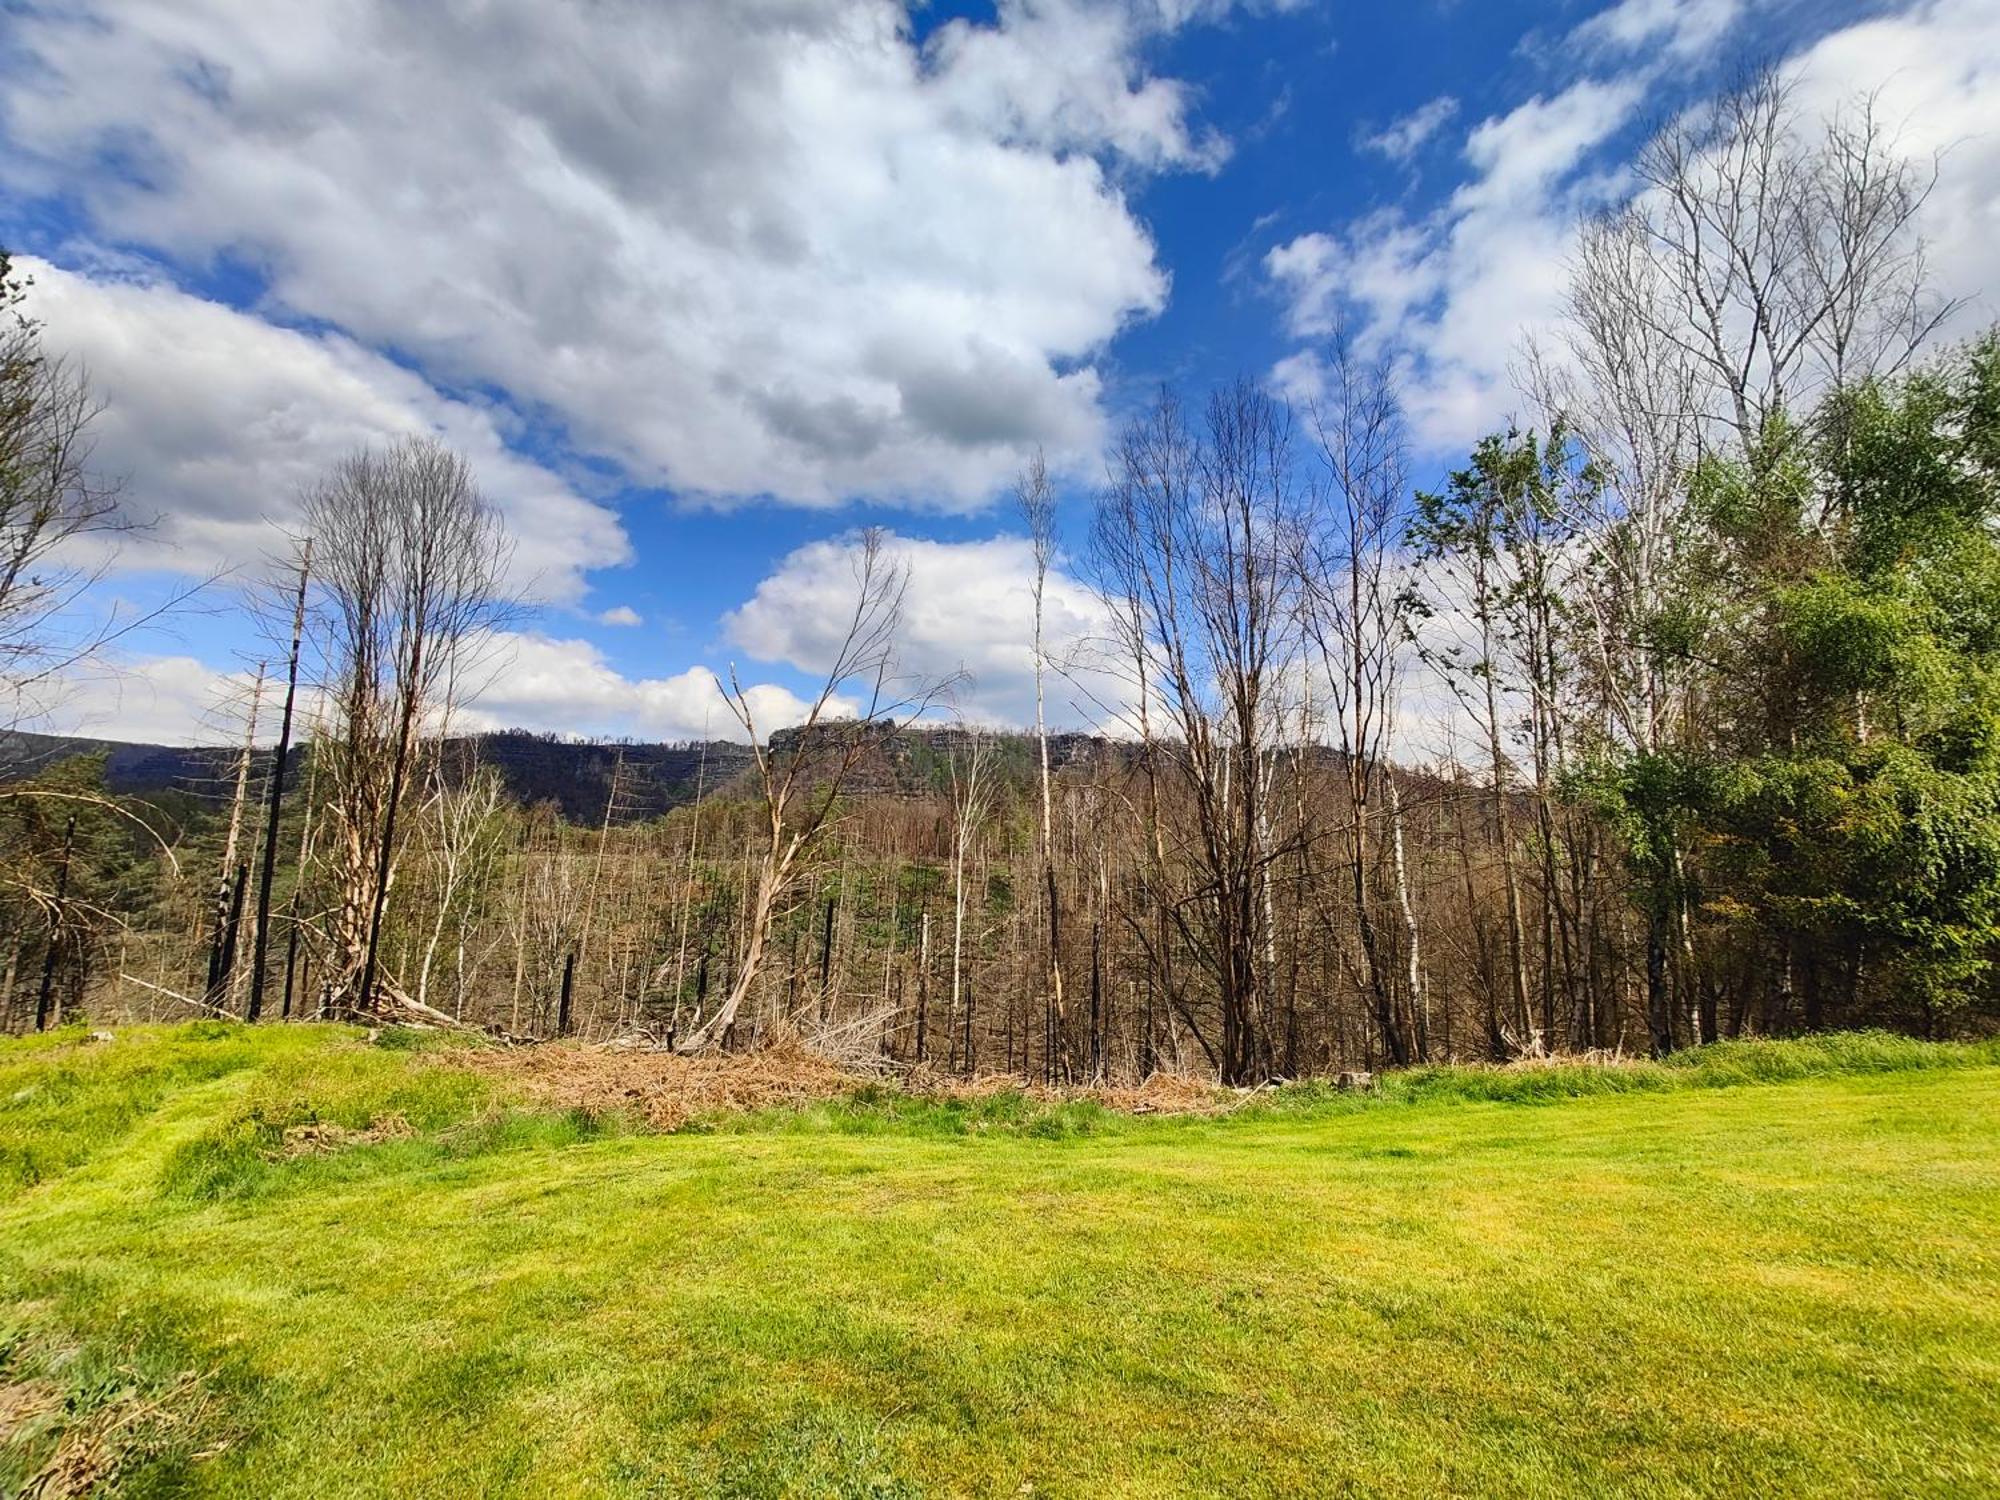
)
(169, 700)
(1452, 292)
(535, 681)
(523, 680)
(216, 420)
(620, 614)
(969, 607)
(1066, 75)
(741, 247)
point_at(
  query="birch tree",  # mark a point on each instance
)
(1037, 503)
(1354, 601)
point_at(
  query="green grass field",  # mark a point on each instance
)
(1767, 1269)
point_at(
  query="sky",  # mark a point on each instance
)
(702, 288)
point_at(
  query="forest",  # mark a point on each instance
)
(1670, 714)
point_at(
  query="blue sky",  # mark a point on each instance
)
(702, 288)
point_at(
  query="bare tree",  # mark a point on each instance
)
(1120, 575)
(234, 875)
(687, 892)
(56, 510)
(1354, 609)
(801, 782)
(460, 829)
(971, 797)
(1780, 253)
(59, 520)
(274, 809)
(1200, 530)
(408, 587)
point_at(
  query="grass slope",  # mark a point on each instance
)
(1561, 1281)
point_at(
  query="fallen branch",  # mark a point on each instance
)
(161, 989)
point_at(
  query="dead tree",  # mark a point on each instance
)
(802, 781)
(1354, 609)
(1037, 503)
(971, 794)
(58, 930)
(229, 885)
(274, 811)
(459, 832)
(1782, 252)
(409, 587)
(1200, 529)
(52, 500)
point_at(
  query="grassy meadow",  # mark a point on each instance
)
(288, 1261)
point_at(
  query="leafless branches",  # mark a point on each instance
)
(1197, 538)
(407, 589)
(1353, 605)
(1768, 260)
(801, 782)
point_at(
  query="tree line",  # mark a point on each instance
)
(1703, 649)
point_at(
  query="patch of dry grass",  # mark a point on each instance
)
(668, 1090)
(66, 1432)
(661, 1087)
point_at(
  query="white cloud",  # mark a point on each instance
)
(535, 681)
(1684, 28)
(526, 681)
(738, 246)
(1403, 138)
(969, 607)
(1454, 292)
(620, 614)
(1522, 155)
(170, 700)
(1382, 265)
(216, 420)
(1066, 75)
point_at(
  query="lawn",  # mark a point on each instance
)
(1771, 1269)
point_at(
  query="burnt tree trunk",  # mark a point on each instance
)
(45, 1000)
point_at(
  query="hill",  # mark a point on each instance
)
(280, 1261)
(574, 775)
